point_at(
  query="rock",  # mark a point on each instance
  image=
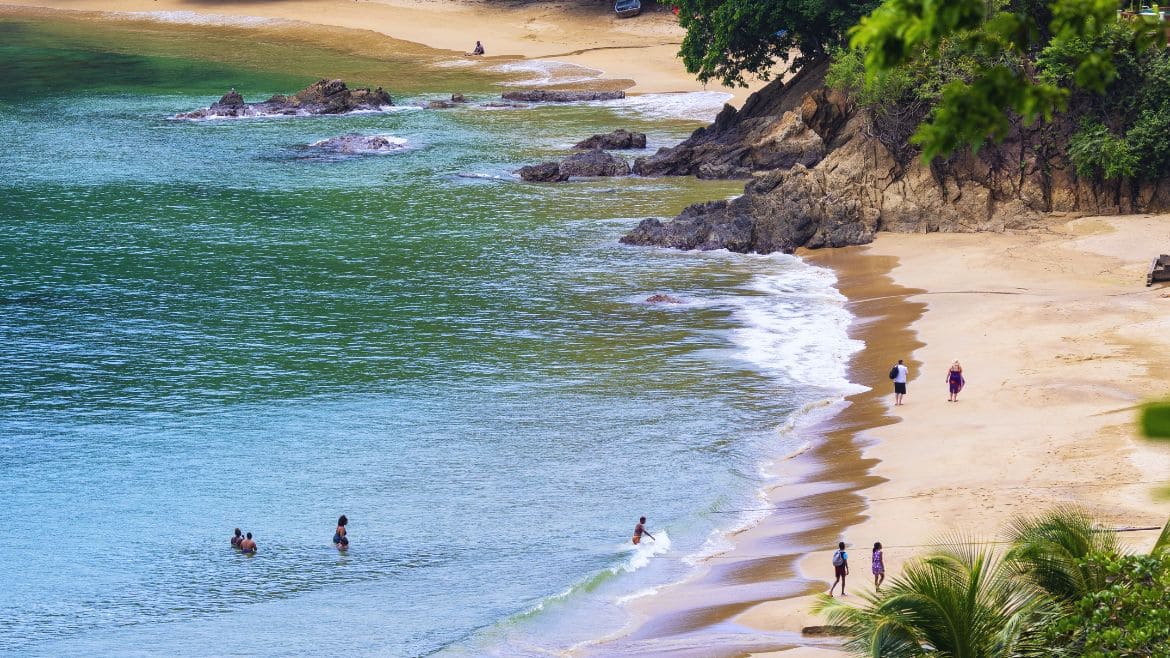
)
(458, 98)
(663, 299)
(825, 631)
(594, 163)
(618, 139)
(354, 144)
(545, 172)
(438, 105)
(321, 97)
(545, 96)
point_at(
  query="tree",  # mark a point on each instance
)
(728, 38)
(961, 601)
(972, 109)
(1050, 551)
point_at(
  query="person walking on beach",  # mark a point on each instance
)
(640, 530)
(955, 381)
(248, 545)
(878, 566)
(237, 538)
(340, 540)
(899, 374)
(840, 567)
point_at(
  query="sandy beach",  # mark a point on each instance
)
(637, 54)
(1059, 338)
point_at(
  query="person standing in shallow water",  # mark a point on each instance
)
(955, 381)
(340, 540)
(878, 566)
(248, 545)
(640, 530)
(237, 538)
(840, 568)
(901, 373)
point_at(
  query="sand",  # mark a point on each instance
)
(638, 54)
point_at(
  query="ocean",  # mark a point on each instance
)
(211, 324)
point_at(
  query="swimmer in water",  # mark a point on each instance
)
(237, 538)
(248, 545)
(339, 538)
(640, 530)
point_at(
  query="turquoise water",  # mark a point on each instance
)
(208, 325)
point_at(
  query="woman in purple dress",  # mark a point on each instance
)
(955, 381)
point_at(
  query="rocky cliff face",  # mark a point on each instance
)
(824, 175)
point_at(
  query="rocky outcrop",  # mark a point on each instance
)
(590, 164)
(321, 97)
(616, 140)
(661, 298)
(594, 163)
(825, 174)
(354, 144)
(545, 172)
(546, 96)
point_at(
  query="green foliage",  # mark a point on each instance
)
(1002, 37)
(1129, 616)
(1096, 152)
(1063, 589)
(959, 601)
(847, 73)
(1155, 420)
(1050, 552)
(727, 39)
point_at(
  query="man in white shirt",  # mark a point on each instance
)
(900, 382)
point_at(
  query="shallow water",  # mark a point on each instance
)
(209, 325)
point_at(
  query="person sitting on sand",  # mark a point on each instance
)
(955, 380)
(840, 567)
(248, 545)
(478, 50)
(878, 566)
(237, 538)
(640, 530)
(339, 538)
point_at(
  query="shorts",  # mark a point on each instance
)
(637, 539)
(900, 387)
(839, 569)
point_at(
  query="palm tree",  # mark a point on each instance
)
(1052, 552)
(962, 601)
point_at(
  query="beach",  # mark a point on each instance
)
(1059, 338)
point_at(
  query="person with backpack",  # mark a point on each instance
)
(840, 567)
(899, 374)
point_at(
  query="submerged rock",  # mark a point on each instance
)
(354, 144)
(321, 97)
(663, 299)
(618, 139)
(544, 96)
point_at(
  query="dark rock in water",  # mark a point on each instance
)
(354, 144)
(438, 105)
(618, 139)
(663, 299)
(594, 163)
(458, 98)
(825, 631)
(543, 96)
(545, 172)
(321, 97)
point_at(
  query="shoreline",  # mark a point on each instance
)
(814, 495)
(638, 55)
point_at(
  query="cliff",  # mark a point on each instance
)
(826, 174)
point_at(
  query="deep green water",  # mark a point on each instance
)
(208, 325)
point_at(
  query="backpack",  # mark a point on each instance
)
(838, 558)
(894, 372)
